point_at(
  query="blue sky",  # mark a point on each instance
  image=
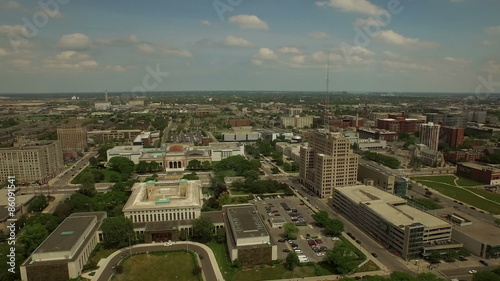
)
(280, 45)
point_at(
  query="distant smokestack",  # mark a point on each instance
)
(106, 96)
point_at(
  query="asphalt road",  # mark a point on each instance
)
(206, 264)
(64, 178)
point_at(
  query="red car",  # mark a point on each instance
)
(319, 241)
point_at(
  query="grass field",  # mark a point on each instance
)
(102, 253)
(466, 196)
(369, 266)
(222, 257)
(170, 266)
(274, 272)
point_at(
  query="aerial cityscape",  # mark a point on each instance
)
(250, 140)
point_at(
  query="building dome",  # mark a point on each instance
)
(176, 148)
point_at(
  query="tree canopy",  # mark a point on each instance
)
(203, 229)
(116, 232)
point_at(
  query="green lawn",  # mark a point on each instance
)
(102, 253)
(273, 273)
(369, 266)
(222, 257)
(487, 194)
(467, 182)
(239, 192)
(450, 180)
(463, 195)
(152, 267)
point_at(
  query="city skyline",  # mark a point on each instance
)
(392, 46)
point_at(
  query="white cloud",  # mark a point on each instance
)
(20, 63)
(456, 60)
(3, 52)
(115, 68)
(266, 54)
(323, 57)
(169, 51)
(493, 30)
(370, 21)
(298, 59)
(146, 48)
(391, 37)
(132, 39)
(406, 65)
(249, 22)
(11, 5)
(18, 29)
(392, 54)
(69, 60)
(289, 50)
(236, 42)
(318, 35)
(354, 6)
(206, 22)
(75, 41)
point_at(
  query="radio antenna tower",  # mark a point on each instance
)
(327, 100)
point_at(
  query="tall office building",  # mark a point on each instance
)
(31, 162)
(328, 162)
(429, 135)
(72, 138)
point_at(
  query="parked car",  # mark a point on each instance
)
(282, 240)
(374, 255)
(472, 271)
(483, 262)
(286, 250)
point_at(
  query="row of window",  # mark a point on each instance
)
(163, 217)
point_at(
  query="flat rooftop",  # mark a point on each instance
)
(376, 167)
(160, 192)
(480, 167)
(478, 230)
(246, 222)
(65, 236)
(390, 207)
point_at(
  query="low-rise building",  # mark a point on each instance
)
(247, 237)
(481, 173)
(378, 134)
(427, 156)
(20, 208)
(404, 230)
(164, 201)
(62, 255)
(477, 235)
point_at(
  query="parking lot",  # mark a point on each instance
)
(186, 138)
(299, 213)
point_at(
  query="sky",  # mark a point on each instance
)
(70, 46)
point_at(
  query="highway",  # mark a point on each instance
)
(208, 262)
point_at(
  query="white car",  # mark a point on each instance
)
(472, 271)
(169, 243)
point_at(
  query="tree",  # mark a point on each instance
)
(117, 232)
(485, 276)
(291, 230)
(428, 276)
(93, 161)
(192, 177)
(220, 236)
(320, 217)
(50, 222)
(341, 258)
(206, 165)
(334, 227)
(291, 261)
(196, 270)
(224, 199)
(122, 165)
(194, 165)
(87, 184)
(31, 236)
(434, 257)
(141, 167)
(203, 229)
(38, 204)
(402, 276)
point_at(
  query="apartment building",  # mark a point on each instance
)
(31, 161)
(429, 135)
(327, 162)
